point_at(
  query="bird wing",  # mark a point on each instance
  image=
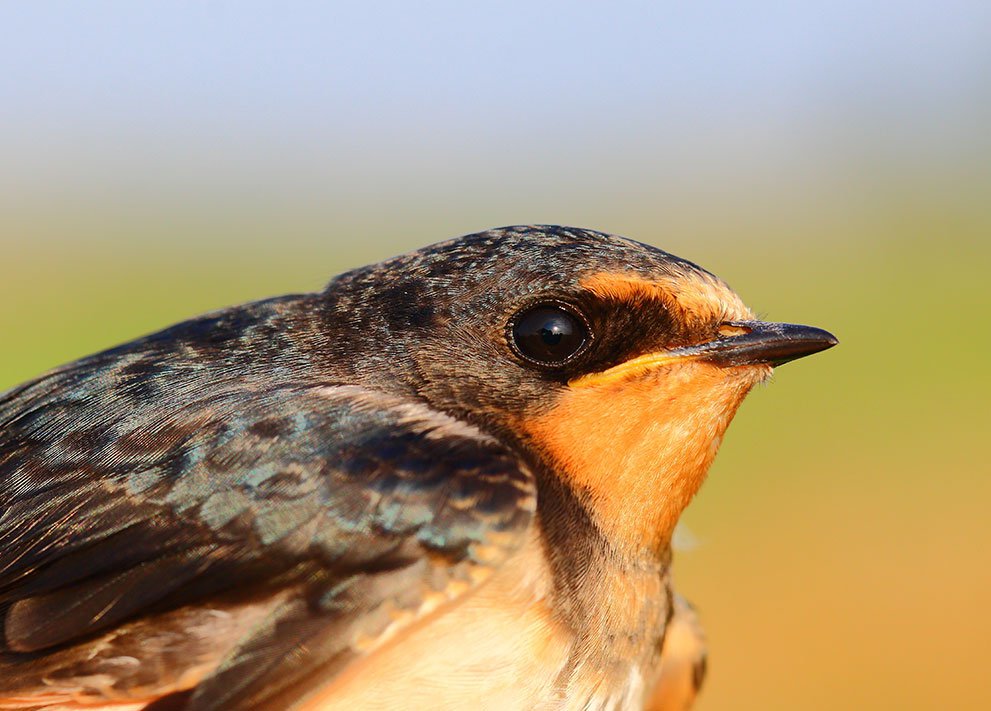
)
(683, 661)
(335, 515)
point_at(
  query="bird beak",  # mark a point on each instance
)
(740, 343)
(755, 342)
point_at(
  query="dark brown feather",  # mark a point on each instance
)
(344, 497)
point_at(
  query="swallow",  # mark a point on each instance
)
(447, 481)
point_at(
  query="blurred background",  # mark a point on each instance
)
(832, 161)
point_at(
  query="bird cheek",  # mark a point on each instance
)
(639, 448)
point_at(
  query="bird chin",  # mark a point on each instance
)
(639, 448)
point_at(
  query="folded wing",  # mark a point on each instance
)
(238, 548)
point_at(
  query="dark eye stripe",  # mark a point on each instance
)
(548, 334)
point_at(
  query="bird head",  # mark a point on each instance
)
(614, 366)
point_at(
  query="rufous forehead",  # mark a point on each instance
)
(695, 295)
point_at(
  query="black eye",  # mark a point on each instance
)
(549, 334)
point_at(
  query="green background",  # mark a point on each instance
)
(832, 166)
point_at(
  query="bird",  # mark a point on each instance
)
(448, 480)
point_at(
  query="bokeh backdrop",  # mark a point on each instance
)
(832, 161)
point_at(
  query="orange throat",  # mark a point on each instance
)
(637, 450)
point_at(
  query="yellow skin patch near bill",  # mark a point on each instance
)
(631, 368)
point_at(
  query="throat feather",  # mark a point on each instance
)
(638, 450)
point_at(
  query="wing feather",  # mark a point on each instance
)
(355, 512)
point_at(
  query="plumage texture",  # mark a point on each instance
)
(397, 510)
(363, 497)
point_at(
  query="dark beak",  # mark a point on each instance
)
(755, 342)
(739, 343)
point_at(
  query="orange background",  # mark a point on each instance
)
(832, 164)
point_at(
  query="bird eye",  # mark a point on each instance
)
(549, 334)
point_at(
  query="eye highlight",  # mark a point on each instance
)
(549, 334)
